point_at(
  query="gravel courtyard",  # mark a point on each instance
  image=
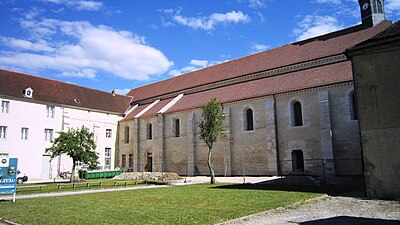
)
(329, 210)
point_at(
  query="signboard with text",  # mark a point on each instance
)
(8, 174)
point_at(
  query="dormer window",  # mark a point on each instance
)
(77, 100)
(28, 92)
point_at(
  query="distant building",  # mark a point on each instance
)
(34, 109)
(377, 81)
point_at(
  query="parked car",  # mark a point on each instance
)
(21, 177)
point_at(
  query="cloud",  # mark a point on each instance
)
(209, 23)
(335, 2)
(87, 51)
(256, 47)
(79, 4)
(122, 91)
(312, 26)
(256, 4)
(392, 7)
(194, 64)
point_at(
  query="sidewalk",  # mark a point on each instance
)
(187, 181)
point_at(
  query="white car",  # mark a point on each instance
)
(21, 177)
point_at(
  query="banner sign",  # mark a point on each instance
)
(8, 174)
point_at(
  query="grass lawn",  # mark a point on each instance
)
(193, 204)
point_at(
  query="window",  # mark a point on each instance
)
(377, 6)
(177, 128)
(149, 131)
(249, 123)
(126, 136)
(108, 133)
(48, 134)
(123, 161)
(130, 161)
(3, 132)
(107, 158)
(353, 106)
(297, 114)
(24, 133)
(50, 111)
(5, 106)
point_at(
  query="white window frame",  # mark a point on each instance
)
(50, 111)
(107, 158)
(24, 133)
(3, 132)
(48, 134)
(108, 133)
(5, 106)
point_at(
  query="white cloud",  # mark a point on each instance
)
(335, 2)
(194, 64)
(122, 91)
(256, 47)
(392, 7)
(312, 26)
(79, 4)
(88, 50)
(209, 23)
(256, 3)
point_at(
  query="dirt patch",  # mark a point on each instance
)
(147, 176)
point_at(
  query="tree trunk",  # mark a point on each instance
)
(73, 172)
(210, 167)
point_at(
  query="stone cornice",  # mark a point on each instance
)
(250, 77)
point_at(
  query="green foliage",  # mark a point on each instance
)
(211, 122)
(78, 144)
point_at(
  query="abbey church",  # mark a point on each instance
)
(288, 110)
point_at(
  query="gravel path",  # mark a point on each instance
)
(329, 210)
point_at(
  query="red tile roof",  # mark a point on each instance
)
(55, 92)
(136, 111)
(319, 47)
(319, 76)
(157, 107)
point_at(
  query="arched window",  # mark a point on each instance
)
(149, 131)
(377, 6)
(126, 134)
(249, 122)
(177, 128)
(353, 106)
(297, 114)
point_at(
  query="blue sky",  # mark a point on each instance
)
(123, 44)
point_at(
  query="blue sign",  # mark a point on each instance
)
(8, 175)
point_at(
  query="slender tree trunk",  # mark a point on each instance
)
(210, 167)
(73, 172)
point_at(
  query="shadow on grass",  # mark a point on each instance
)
(342, 186)
(347, 220)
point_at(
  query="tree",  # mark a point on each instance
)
(211, 128)
(78, 144)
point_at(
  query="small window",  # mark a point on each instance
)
(50, 111)
(108, 133)
(126, 136)
(5, 106)
(249, 122)
(149, 131)
(107, 158)
(130, 161)
(353, 106)
(48, 134)
(123, 161)
(177, 128)
(24, 133)
(297, 114)
(28, 92)
(3, 132)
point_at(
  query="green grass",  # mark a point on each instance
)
(194, 204)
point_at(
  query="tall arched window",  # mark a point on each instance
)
(149, 131)
(126, 134)
(249, 122)
(177, 128)
(353, 106)
(377, 6)
(297, 114)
